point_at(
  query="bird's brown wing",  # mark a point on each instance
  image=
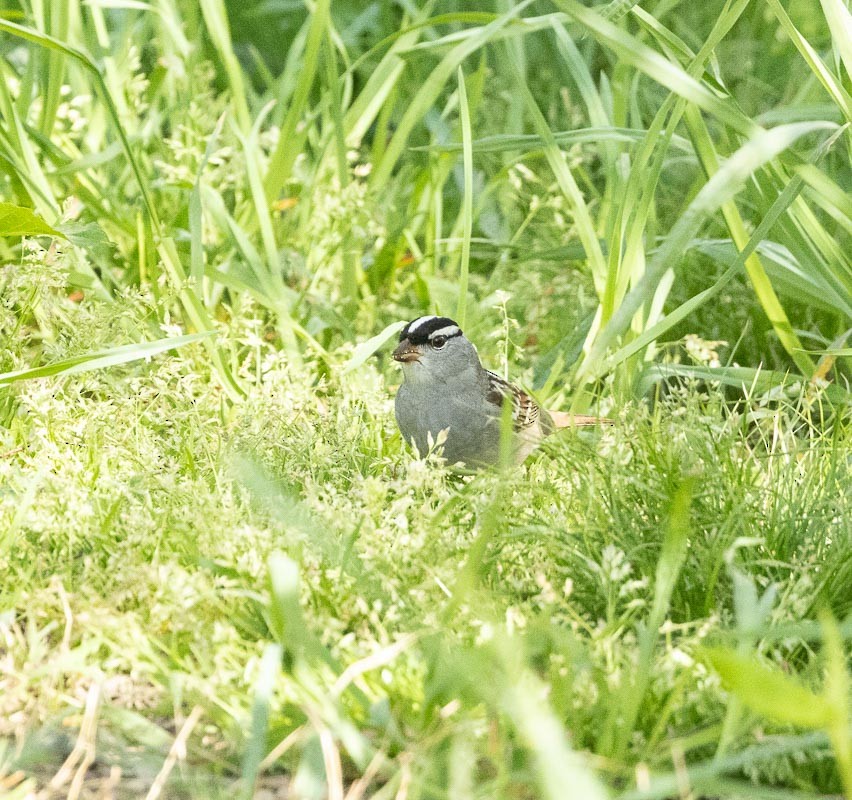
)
(525, 410)
(526, 413)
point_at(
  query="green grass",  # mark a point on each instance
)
(224, 574)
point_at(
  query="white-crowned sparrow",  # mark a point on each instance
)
(447, 389)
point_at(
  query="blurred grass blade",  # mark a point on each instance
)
(556, 765)
(768, 691)
(838, 698)
(673, 552)
(264, 687)
(282, 502)
(364, 350)
(286, 620)
(461, 779)
(102, 359)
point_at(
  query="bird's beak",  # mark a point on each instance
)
(406, 352)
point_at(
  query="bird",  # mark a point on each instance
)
(446, 388)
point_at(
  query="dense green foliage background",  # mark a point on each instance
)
(223, 572)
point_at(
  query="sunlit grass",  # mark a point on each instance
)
(223, 571)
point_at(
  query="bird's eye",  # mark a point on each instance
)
(438, 342)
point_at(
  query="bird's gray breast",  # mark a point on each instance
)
(473, 434)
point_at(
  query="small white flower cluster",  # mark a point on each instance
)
(702, 351)
(73, 113)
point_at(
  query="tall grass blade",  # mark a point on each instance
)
(721, 187)
(467, 201)
(216, 19)
(289, 141)
(834, 88)
(840, 25)
(754, 267)
(649, 335)
(53, 73)
(103, 358)
(52, 44)
(665, 72)
(568, 185)
(425, 97)
(557, 766)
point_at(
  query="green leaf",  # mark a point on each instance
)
(89, 236)
(20, 221)
(768, 691)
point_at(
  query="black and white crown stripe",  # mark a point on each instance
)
(426, 329)
(448, 331)
(416, 323)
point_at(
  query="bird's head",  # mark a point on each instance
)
(434, 349)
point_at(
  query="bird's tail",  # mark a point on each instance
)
(562, 419)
